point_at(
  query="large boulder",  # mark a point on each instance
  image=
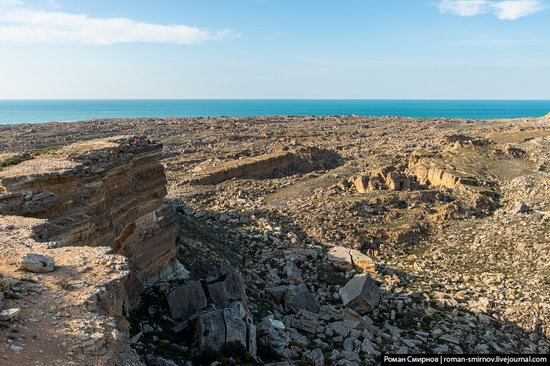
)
(229, 330)
(210, 331)
(226, 286)
(299, 298)
(186, 300)
(37, 263)
(361, 294)
(239, 328)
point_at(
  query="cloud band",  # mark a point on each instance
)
(505, 10)
(19, 24)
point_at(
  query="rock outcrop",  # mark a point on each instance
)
(299, 160)
(87, 287)
(385, 178)
(432, 172)
(106, 192)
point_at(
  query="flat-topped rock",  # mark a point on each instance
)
(38, 167)
(347, 259)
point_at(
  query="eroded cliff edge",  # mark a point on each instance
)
(105, 194)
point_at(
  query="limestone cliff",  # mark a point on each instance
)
(105, 192)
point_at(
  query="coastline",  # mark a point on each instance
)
(43, 111)
(146, 119)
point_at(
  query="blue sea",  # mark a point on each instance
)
(34, 111)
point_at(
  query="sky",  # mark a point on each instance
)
(304, 49)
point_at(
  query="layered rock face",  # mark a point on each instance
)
(299, 160)
(105, 192)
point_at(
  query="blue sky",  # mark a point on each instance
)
(364, 49)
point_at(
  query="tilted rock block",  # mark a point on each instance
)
(276, 293)
(299, 298)
(361, 293)
(186, 300)
(293, 274)
(37, 263)
(226, 286)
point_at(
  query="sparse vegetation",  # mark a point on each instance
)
(9, 161)
(64, 284)
(45, 152)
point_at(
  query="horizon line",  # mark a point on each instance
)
(273, 99)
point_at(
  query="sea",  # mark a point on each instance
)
(36, 111)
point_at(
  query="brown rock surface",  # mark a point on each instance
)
(105, 195)
(99, 193)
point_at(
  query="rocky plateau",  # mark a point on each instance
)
(272, 240)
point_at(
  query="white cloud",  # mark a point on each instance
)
(512, 10)
(505, 10)
(20, 24)
(10, 3)
(465, 8)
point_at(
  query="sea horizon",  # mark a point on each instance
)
(23, 111)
